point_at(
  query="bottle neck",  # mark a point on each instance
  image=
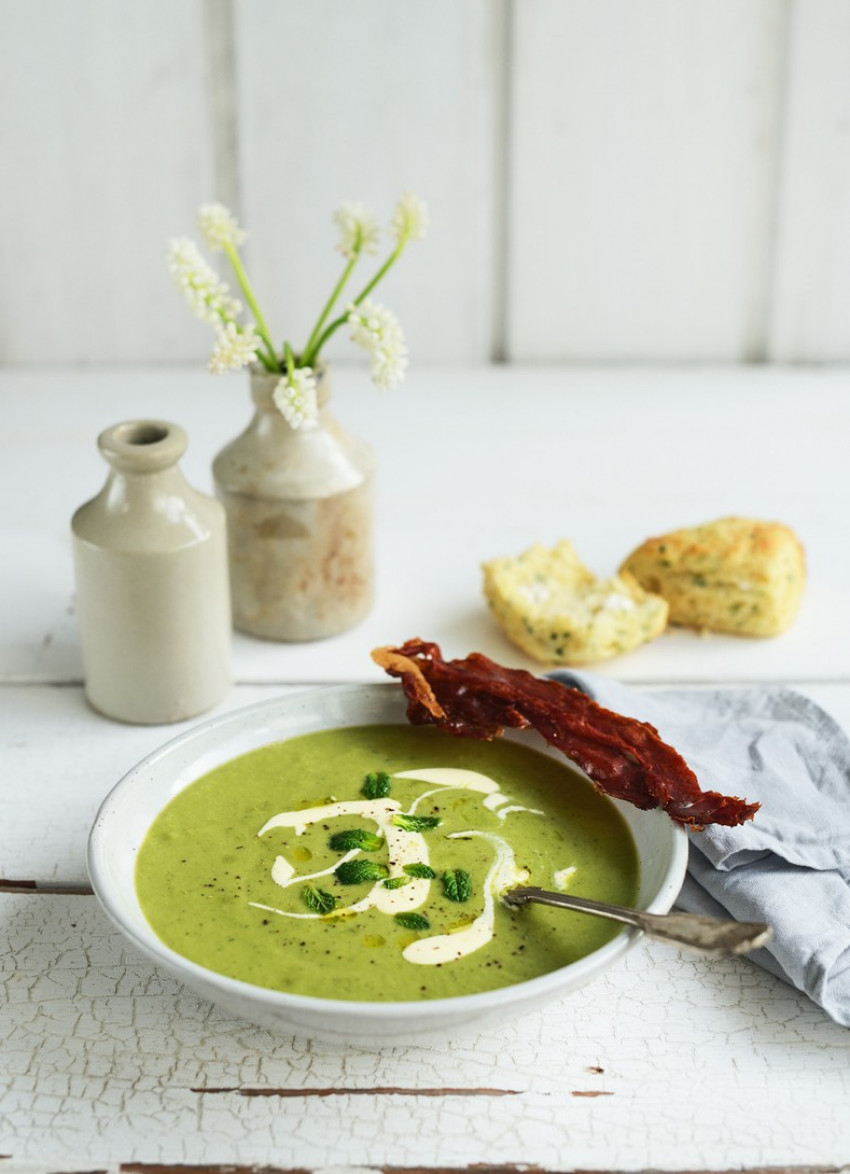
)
(143, 447)
(145, 504)
(163, 490)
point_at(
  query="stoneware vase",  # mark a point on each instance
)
(150, 559)
(299, 504)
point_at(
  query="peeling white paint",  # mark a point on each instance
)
(101, 1053)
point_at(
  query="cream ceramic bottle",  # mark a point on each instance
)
(150, 559)
(299, 505)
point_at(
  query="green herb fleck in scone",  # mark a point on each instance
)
(734, 575)
(557, 611)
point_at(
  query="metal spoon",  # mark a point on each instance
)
(706, 934)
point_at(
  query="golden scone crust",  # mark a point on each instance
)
(558, 612)
(733, 575)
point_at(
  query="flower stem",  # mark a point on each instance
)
(289, 359)
(390, 261)
(273, 366)
(271, 362)
(310, 352)
(364, 293)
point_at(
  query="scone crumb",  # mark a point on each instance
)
(555, 609)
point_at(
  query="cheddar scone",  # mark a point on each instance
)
(558, 612)
(733, 575)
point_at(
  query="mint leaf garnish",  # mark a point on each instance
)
(376, 785)
(318, 900)
(417, 823)
(355, 838)
(355, 872)
(412, 921)
(424, 871)
(396, 882)
(457, 885)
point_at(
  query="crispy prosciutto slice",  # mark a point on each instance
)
(625, 758)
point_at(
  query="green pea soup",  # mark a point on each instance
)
(287, 869)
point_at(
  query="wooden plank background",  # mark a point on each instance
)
(812, 257)
(105, 145)
(642, 199)
(606, 180)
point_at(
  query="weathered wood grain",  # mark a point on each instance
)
(58, 780)
(102, 1053)
(667, 1062)
(477, 1168)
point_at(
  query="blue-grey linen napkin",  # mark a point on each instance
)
(790, 866)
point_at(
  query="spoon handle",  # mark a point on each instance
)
(706, 934)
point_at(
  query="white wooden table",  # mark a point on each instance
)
(668, 1062)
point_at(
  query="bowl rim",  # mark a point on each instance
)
(570, 976)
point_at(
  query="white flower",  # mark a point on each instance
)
(235, 348)
(219, 226)
(410, 219)
(358, 229)
(205, 292)
(295, 398)
(377, 330)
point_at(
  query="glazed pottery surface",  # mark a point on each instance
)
(151, 575)
(299, 505)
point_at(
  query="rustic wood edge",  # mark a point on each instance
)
(44, 888)
(475, 1168)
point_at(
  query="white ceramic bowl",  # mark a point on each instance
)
(131, 807)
